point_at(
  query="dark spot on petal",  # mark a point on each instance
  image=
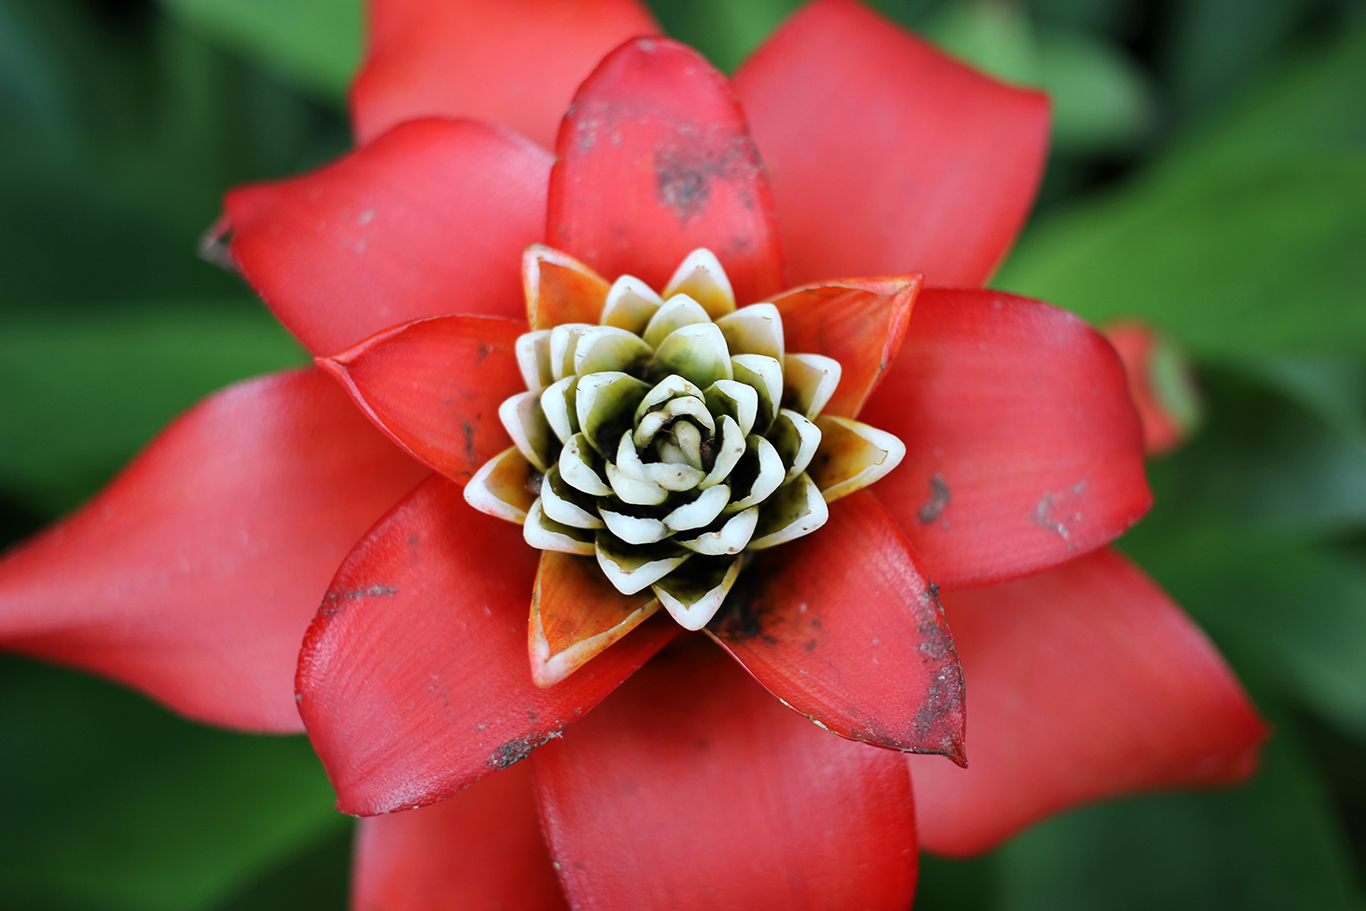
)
(515, 751)
(483, 352)
(468, 430)
(939, 498)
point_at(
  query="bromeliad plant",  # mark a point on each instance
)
(674, 436)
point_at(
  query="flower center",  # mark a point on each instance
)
(669, 440)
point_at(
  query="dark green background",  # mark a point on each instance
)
(1209, 174)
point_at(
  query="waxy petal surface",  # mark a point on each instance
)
(434, 386)
(859, 322)
(429, 219)
(514, 62)
(192, 576)
(414, 680)
(654, 162)
(576, 614)
(1086, 682)
(885, 155)
(844, 628)
(481, 849)
(692, 788)
(560, 289)
(1023, 449)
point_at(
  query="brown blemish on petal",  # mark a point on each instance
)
(514, 751)
(939, 498)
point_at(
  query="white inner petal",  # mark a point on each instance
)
(533, 359)
(730, 538)
(673, 475)
(629, 480)
(756, 329)
(770, 477)
(670, 387)
(674, 315)
(805, 512)
(633, 529)
(765, 376)
(556, 403)
(698, 352)
(629, 577)
(599, 398)
(694, 407)
(526, 423)
(809, 380)
(807, 438)
(728, 452)
(694, 614)
(699, 512)
(702, 276)
(540, 534)
(562, 510)
(630, 304)
(576, 469)
(608, 348)
(737, 399)
(563, 340)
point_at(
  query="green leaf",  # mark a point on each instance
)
(723, 30)
(113, 804)
(1263, 474)
(1244, 239)
(1216, 46)
(314, 42)
(84, 390)
(1102, 101)
(1335, 390)
(1260, 258)
(1274, 844)
(1310, 106)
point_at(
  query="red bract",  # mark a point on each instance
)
(195, 575)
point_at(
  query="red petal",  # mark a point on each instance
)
(1085, 682)
(860, 322)
(514, 62)
(692, 788)
(414, 681)
(434, 386)
(885, 155)
(429, 219)
(194, 574)
(481, 849)
(843, 627)
(654, 162)
(1023, 449)
(1160, 383)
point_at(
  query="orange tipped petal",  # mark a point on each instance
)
(560, 289)
(859, 322)
(576, 614)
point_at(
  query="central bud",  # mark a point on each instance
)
(668, 440)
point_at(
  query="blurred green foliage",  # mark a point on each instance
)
(1209, 175)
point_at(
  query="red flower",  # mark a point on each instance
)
(195, 574)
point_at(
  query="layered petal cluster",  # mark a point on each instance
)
(673, 436)
(454, 366)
